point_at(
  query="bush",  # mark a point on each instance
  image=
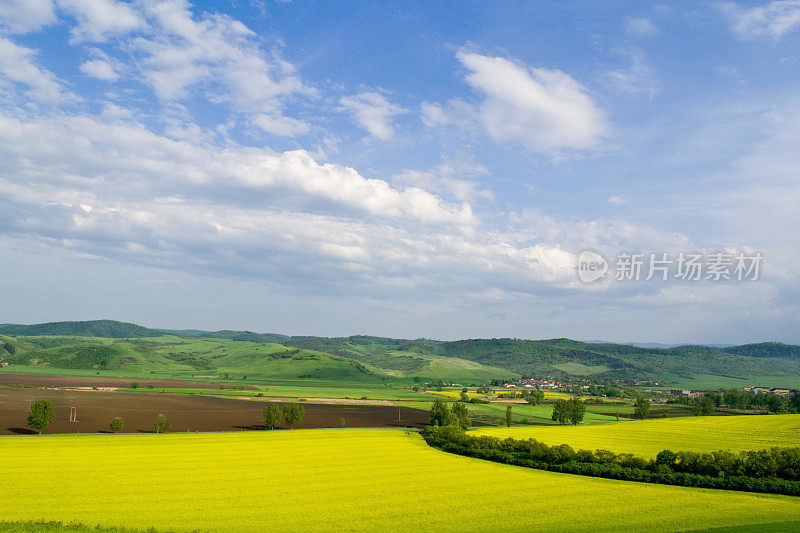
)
(116, 424)
(41, 415)
(161, 423)
(776, 470)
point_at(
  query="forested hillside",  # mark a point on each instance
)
(496, 358)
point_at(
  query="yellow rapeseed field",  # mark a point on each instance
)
(346, 480)
(648, 437)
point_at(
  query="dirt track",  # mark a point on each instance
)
(96, 409)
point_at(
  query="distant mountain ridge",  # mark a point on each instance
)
(553, 357)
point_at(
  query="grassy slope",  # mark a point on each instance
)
(764, 363)
(565, 356)
(171, 356)
(356, 479)
(647, 437)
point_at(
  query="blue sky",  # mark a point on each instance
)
(404, 169)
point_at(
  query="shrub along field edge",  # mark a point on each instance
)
(775, 471)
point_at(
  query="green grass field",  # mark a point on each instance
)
(354, 480)
(713, 382)
(170, 356)
(647, 437)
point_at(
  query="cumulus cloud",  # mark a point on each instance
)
(373, 112)
(106, 186)
(101, 69)
(117, 156)
(280, 125)
(184, 54)
(774, 19)
(17, 68)
(455, 177)
(24, 16)
(540, 109)
(181, 53)
(97, 20)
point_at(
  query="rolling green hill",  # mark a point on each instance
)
(604, 360)
(173, 356)
(87, 328)
(109, 345)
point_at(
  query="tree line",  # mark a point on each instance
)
(776, 470)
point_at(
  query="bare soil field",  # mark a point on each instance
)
(38, 380)
(96, 409)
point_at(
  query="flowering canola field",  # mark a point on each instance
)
(340, 479)
(648, 437)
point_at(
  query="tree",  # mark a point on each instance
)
(342, 422)
(134, 384)
(440, 414)
(272, 415)
(794, 403)
(571, 410)
(704, 407)
(641, 408)
(161, 423)
(576, 410)
(536, 397)
(116, 424)
(464, 397)
(294, 413)
(508, 416)
(460, 415)
(41, 415)
(736, 399)
(560, 412)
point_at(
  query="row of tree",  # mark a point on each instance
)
(42, 413)
(292, 413)
(742, 400)
(443, 414)
(776, 470)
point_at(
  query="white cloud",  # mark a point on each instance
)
(450, 178)
(120, 157)
(540, 109)
(775, 19)
(280, 125)
(183, 52)
(640, 27)
(638, 78)
(100, 69)
(373, 112)
(455, 111)
(106, 186)
(23, 16)
(17, 68)
(100, 19)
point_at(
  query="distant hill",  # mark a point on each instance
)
(110, 329)
(619, 361)
(469, 358)
(766, 349)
